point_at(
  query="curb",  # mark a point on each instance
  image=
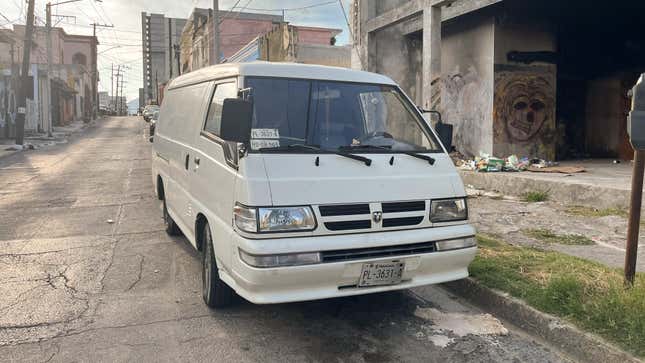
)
(566, 193)
(579, 345)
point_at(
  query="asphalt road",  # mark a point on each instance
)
(88, 274)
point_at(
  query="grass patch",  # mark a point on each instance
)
(588, 294)
(594, 212)
(535, 196)
(548, 236)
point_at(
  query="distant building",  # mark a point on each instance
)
(236, 30)
(299, 44)
(73, 89)
(160, 39)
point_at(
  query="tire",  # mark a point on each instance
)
(216, 293)
(171, 227)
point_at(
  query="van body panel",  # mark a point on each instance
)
(215, 180)
(252, 187)
(295, 178)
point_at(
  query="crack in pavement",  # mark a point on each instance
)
(141, 259)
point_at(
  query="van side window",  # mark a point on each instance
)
(214, 119)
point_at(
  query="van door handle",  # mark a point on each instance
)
(187, 161)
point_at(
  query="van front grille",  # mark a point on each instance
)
(348, 225)
(371, 252)
(397, 207)
(372, 216)
(344, 209)
(400, 222)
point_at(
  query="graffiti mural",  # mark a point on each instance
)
(524, 111)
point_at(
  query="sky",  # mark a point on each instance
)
(122, 44)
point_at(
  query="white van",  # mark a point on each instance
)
(301, 182)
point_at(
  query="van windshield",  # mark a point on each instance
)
(334, 116)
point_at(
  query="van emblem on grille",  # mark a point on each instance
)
(377, 216)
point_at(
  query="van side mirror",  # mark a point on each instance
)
(237, 116)
(636, 118)
(443, 130)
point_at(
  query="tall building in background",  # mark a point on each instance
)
(160, 39)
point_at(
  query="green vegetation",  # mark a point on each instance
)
(594, 212)
(548, 236)
(588, 294)
(535, 196)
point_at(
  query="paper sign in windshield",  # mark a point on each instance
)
(259, 144)
(265, 134)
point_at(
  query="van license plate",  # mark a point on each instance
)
(381, 273)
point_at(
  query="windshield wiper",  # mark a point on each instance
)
(429, 159)
(365, 160)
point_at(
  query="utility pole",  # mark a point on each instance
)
(48, 27)
(116, 98)
(216, 44)
(95, 93)
(111, 88)
(24, 81)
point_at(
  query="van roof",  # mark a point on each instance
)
(281, 70)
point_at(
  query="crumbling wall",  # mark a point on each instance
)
(467, 82)
(525, 93)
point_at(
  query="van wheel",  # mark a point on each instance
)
(171, 227)
(216, 293)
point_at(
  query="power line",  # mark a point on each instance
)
(295, 9)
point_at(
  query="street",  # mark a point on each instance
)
(87, 273)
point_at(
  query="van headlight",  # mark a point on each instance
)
(448, 210)
(275, 219)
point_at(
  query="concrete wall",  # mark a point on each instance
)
(383, 6)
(467, 82)
(525, 94)
(328, 55)
(606, 124)
(398, 56)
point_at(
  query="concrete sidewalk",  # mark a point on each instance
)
(33, 141)
(603, 184)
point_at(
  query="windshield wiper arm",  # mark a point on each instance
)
(429, 159)
(365, 160)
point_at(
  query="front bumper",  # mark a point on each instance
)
(335, 279)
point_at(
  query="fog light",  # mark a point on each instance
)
(280, 260)
(456, 244)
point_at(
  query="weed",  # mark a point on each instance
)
(535, 196)
(595, 212)
(548, 236)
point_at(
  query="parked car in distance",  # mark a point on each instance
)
(148, 111)
(153, 123)
(301, 182)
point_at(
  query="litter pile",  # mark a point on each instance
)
(490, 164)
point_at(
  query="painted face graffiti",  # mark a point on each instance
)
(524, 103)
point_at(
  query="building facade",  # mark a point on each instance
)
(235, 29)
(298, 44)
(160, 39)
(72, 91)
(532, 78)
